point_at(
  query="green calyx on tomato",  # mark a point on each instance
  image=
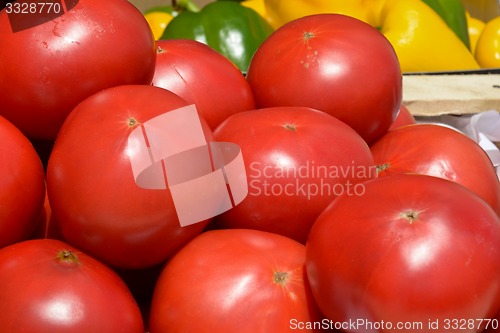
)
(226, 26)
(453, 13)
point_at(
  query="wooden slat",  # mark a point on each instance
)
(430, 95)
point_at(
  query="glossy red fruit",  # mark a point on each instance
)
(48, 286)
(297, 160)
(439, 151)
(22, 185)
(93, 194)
(404, 117)
(333, 63)
(224, 278)
(203, 77)
(387, 257)
(48, 67)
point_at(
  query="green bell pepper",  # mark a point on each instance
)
(175, 8)
(228, 27)
(453, 13)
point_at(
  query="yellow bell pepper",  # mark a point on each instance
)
(488, 45)
(158, 21)
(420, 37)
(475, 26)
(158, 17)
(259, 7)
(283, 11)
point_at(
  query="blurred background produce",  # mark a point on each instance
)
(228, 27)
(144, 5)
(428, 35)
(92, 199)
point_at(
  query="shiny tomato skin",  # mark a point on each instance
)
(237, 280)
(93, 46)
(297, 160)
(439, 151)
(203, 77)
(92, 191)
(404, 117)
(47, 227)
(22, 185)
(404, 252)
(333, 63)
(494, 325)
(41, 291)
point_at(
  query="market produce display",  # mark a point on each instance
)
(446, 153)
(475, 27)
(407, 257)
(259, 284)
(488, 44)
(68, 59)
(159, 17)
(22, 189)
(179, 65)
(93, 196)
(428, 35)
(58, 288)
(292, 175)
(353, 216)
(234, 30)
(455, 16)
(414, 29)
(332, 63)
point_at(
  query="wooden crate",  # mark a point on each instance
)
(455, 98)
(434, 94)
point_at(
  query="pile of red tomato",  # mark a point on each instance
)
(357, 219)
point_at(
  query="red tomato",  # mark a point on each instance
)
(47, 226)
(297, 160)
(492, 326)
(91, 186)
(404, 117)
(48, 68)
(332, 63)
(49, 286)
(141, 283)
(234, 281)
(203, 77)
(43, 221)
(413, 250)
(438, 151)
(22, 185)
(43, 149)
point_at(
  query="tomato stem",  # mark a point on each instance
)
(382, 167)
(280, 277)
(308, 35)
(68, 257)
(132, 122)
(411, 215)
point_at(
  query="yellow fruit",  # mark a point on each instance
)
(475, 27)
(421, 39)
(259, 7)
(488, 45)
(158, 22)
